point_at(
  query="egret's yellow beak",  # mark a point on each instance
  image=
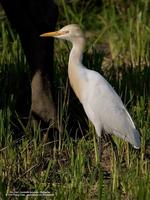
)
(53, 34)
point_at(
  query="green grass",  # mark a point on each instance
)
(69, 167)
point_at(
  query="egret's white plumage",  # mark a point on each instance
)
(101, 103)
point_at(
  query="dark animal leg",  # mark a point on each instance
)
(30, 19)
(42, 107)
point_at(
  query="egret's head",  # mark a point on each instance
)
(69, 32)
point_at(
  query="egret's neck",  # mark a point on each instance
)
(75, 57)
(75, 67)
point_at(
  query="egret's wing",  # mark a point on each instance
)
(105, 109)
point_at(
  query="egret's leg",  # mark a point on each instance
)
(100, 150)
(114, 146)
(101, 145)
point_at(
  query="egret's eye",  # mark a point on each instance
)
(66, 32)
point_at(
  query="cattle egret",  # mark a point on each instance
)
(101, 103)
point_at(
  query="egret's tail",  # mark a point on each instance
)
(136, 143)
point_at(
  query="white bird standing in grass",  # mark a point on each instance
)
(101, 103)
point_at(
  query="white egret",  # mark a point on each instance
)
(101, 103)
